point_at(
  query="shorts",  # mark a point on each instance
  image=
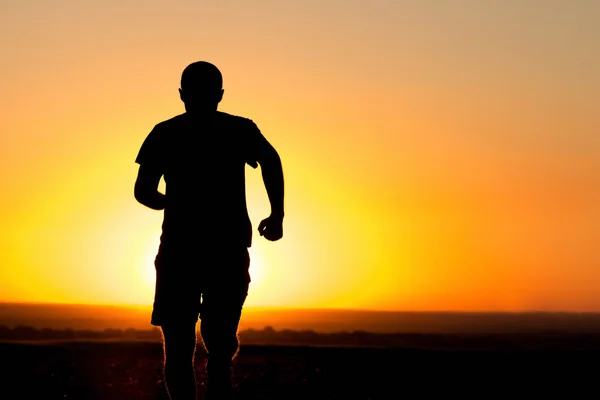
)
(188, 286)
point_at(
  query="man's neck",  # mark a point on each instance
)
(201, 114)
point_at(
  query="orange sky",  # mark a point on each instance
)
(438, 155)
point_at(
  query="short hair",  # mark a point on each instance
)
(201, 76)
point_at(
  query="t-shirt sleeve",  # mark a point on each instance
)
(152, 151)
(256, 144)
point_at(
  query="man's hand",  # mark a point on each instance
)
(271, 228)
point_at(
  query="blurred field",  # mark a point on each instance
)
(53, 352)
(427, 366)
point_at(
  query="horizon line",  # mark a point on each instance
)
(313, 309)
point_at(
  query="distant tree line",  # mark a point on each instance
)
(28, 333)
(266, 336)
(270, 336)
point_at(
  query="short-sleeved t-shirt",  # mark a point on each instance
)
(203, 164)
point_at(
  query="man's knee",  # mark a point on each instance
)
(220, 336)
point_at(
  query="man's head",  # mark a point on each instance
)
(201, 87)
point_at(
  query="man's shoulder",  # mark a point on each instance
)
(170, 123)
(236, 120)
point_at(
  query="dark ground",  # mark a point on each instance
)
(493, 368)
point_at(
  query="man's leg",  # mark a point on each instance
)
(180, 344)
(220, 340)
(176, 307)
(222, 302)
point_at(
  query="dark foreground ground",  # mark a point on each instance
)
(427, 367)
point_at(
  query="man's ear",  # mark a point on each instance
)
(220, 96)
(181, 96)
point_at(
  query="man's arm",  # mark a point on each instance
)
(146, 188)
(272, 173)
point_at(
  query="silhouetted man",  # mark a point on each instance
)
(202, 265)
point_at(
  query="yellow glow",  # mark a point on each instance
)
(257, 266)
(429, 166)
(147, 272)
